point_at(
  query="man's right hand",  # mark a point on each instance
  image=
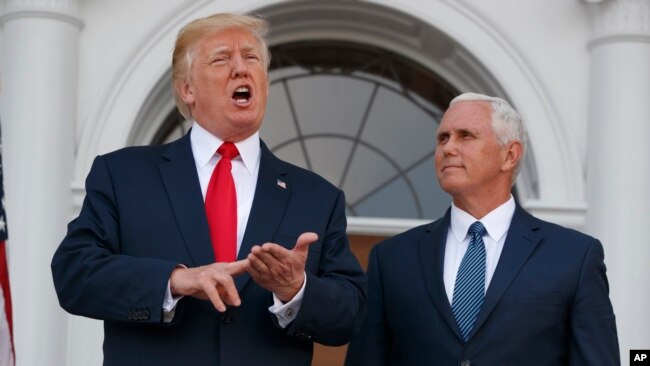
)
(212, 282)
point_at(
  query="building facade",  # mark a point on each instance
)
(348, 80)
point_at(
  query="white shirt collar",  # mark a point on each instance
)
(205, 145)
(496, 222)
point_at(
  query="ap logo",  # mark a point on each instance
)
(639, 357)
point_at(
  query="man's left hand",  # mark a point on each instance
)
(278, 269)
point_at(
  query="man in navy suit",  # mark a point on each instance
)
(140, 254)
(541, 293)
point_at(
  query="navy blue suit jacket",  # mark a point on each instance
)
(547, 303)
(143, 214)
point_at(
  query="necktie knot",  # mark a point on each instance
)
(228, 150)
(477, 229)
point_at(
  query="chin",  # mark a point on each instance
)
(451, 187)
(245, 128)
(244, 119)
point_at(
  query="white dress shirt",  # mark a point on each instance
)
(496, 223)
(245, 170)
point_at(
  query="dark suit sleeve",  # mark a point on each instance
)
(91, 276)
(334, 300)
(593, 327)
(372, 344)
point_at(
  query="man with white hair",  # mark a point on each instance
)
(488, 284)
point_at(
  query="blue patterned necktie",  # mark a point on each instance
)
(469, 288)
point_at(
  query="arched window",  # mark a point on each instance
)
(362, 117)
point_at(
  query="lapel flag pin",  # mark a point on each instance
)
(281, 184)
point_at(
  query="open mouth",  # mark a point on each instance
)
(242, 95)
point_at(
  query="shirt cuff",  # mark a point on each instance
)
(287, 312)
(169, 304)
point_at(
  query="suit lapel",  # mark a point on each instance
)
(432, 261)
(179, 176)
(520, 243)
(271, 196)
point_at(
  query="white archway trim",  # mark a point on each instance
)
(494, 65)
(571, 215)
(111, 122)
(525, 89)
(381, 226)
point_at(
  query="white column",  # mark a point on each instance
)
(38, 111)
(618, 168)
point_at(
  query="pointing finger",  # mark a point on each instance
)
(236, 268)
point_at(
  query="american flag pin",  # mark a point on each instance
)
(281, 184)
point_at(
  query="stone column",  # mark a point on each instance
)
(38, 105)
(618, 168)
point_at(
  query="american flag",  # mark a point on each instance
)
(6, 325)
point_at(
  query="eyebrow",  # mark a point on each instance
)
(248, 47)
(466, 131)
(458, 131)
(220, 50)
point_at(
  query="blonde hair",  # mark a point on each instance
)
(194, 31)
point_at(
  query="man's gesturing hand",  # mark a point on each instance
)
(278, 269)
(213, 282)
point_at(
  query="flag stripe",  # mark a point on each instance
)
(4, 283)
(7, 351)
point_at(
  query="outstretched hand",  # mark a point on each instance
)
(278, 269)
(212, 282)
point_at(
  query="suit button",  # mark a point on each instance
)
(227, 320)
(465, 363)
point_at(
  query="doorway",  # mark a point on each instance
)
(335, 356)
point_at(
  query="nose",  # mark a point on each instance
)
(239, 67)
(449, 147)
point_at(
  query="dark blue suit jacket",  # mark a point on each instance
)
(143, 214)
(547, 303)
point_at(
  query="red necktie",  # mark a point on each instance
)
(221, 206)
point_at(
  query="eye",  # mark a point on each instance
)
(443, 138)
(252, 57)
(219, 60)
(466, 135)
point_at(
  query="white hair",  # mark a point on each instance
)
(507, 124)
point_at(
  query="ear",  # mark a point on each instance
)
(185, 91)
(512, 155)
